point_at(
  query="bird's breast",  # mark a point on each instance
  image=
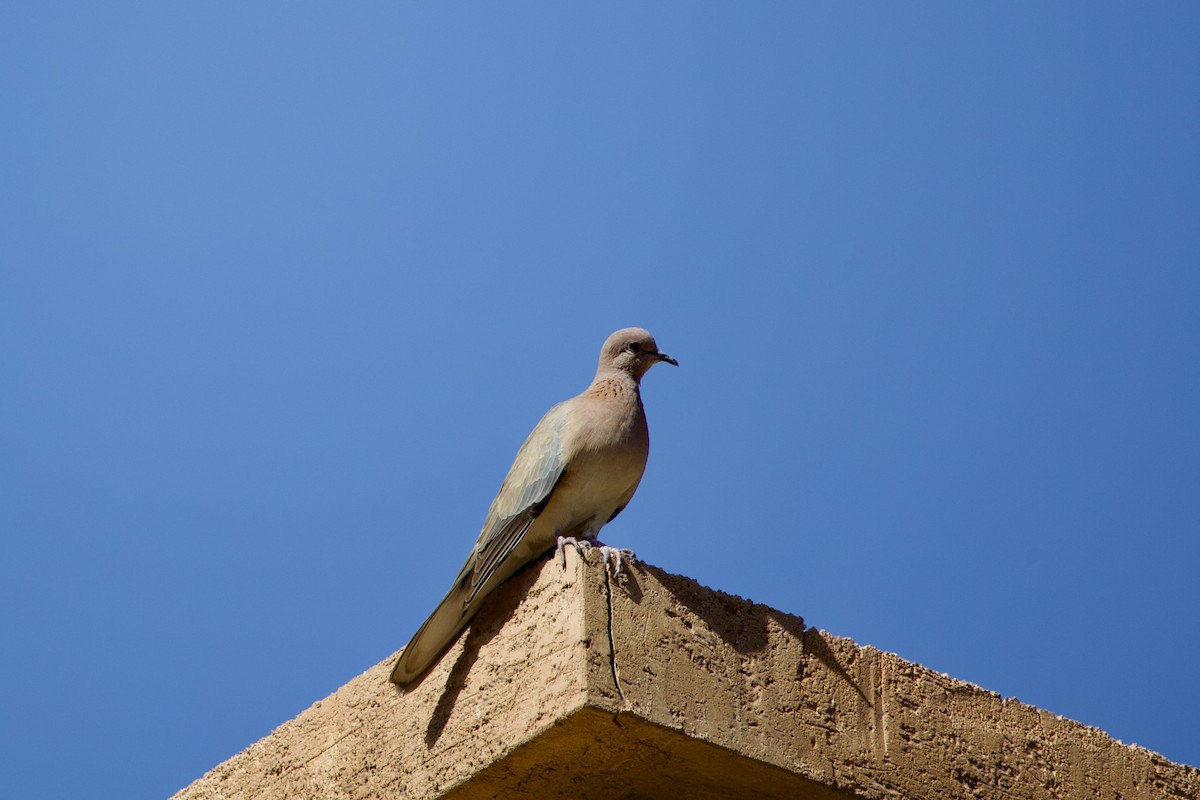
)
(604, 469)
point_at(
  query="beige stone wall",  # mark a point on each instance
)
(572, 684)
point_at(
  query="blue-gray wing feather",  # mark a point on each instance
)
(536, 470)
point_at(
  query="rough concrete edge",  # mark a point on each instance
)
(607, 691)
(965, 685)
(521, 594)
(604, 688)
(960, 683)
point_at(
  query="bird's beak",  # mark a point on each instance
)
(666, 358)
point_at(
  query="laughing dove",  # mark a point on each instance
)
(573, 475)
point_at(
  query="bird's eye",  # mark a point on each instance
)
(634, 347)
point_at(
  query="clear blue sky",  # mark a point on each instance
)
(284, 286)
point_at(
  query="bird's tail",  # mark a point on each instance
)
(434, 637)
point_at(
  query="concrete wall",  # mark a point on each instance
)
(574, 684)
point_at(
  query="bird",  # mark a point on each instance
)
(576, 471)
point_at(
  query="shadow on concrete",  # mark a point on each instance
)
(497, 610)
(816, 646)
(741, 623)
(627, 580)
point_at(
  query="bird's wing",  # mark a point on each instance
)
(537, 469)
(539, 465)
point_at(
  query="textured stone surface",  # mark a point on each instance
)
(572, 684)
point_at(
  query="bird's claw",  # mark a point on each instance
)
(582, 546)
(612, 557)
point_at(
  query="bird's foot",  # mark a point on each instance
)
(582, 546)
(613, 556)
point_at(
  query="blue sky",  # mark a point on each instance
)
(284, 286)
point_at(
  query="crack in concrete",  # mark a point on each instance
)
(612, 645)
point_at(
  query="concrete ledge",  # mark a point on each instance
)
(572, 684)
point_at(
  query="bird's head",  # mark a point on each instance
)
(632, 350)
